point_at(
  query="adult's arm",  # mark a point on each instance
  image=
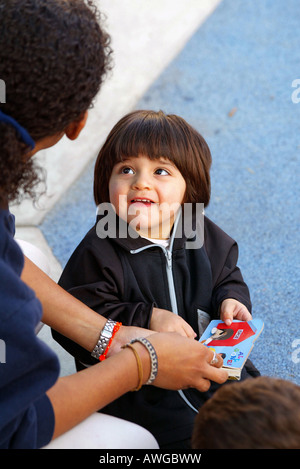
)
(72, 318)
(182, 363)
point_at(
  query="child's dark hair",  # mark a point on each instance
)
(260, 413)
(53, 57)
(156, 134)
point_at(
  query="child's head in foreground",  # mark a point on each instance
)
(150, 159)
(260, 413)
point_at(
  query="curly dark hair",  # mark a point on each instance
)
(54, 55)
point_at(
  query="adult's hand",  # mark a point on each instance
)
(184, 363)
(124, 335)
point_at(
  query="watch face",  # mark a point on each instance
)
(106, 334)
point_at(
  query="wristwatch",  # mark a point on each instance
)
(104, 338)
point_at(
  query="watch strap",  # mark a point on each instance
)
(105, 336)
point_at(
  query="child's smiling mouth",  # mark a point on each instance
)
(142, 201)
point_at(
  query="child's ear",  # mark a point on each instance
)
(73, 130)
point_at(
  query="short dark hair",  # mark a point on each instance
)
(156, 134)
(258, 413)
(54, 55)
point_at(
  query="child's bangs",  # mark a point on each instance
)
(150, 137)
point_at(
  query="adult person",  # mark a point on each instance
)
(53, 57)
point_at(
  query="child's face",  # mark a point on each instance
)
(147, 193)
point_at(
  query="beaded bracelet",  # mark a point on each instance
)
(139, 364)
(115, 330)
(153, 357)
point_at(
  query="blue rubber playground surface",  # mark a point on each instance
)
(233, 83)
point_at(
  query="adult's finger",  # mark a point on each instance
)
(209, 375)
(216, 374)
(216, 360)
(184, 363)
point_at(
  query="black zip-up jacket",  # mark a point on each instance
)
(125, 278)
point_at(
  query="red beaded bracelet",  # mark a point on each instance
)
(115, 330)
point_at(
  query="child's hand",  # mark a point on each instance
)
(233, 309)
(163, 320)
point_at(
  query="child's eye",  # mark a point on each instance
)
(162, 172)
(127, 170)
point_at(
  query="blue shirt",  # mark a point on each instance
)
(28, 367)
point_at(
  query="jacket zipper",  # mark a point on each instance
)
(171, 285)
(168, 254)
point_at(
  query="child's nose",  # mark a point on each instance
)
(142, 182)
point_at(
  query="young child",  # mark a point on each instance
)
(138, 264)
(257, 414)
